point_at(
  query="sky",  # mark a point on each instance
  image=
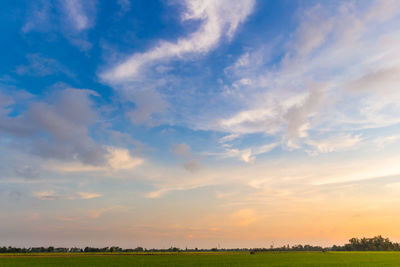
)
(195, 123)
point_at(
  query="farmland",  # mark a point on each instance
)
(204, 259)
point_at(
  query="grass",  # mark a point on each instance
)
(205, 259)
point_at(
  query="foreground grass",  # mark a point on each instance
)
(205, 259)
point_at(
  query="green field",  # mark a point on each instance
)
(205, 259)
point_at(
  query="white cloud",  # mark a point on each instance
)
(381, 80)
(228, 138)
(140, 77)
(247, 155)
(76, 14)
(251, 121)
(73, 18)
(156, 194)
(297, 116)
(87, 195)
(277, 178)
(383, 141)
(185, 185)
(219, 18)
(121, 158)
(334, 144)
(117, 159)
(338, 73)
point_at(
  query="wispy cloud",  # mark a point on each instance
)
(72, 19)
(228, 138)
(331, 78)
(38, 18)
(247, 155)
(42, 66)
(74, 10)
(53, 195)
(140, 76)
(46, 195)
(125, 6)
(336, 143)
(87, 195)
(219, 18)
(382, 141)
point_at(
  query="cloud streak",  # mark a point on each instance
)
(218, 19)
(53, 195)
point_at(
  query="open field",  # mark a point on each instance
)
(205, 259)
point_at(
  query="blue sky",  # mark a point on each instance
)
(220, 119)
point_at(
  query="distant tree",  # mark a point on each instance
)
(139, 249)
(371, 244)
(115, 249)
(74, 250)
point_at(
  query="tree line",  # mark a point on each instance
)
(377, 243)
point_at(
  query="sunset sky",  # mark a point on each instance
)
(199, 123)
